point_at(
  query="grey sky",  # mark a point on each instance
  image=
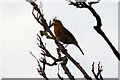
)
(19, 29)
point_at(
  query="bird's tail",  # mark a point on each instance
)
(80, 48)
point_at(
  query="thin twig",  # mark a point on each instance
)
(61, 78)
(98, 76)
(93, 2)
(40, 70)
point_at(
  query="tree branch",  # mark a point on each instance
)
(99, 23)
(40, 70)
(63, 59)
(67, 72)
(61, 78)
(99, 71)
(45, 51)
(93, 2)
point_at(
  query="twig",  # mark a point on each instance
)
(61, 78)
(40, 70)
(54, 63)
(63, 59)
(45, 51)
(94, 71)
(98, 73)
(93, 2)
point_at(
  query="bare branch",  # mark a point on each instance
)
(99, 23)
(50, 24)
(58, 52)
(94, 71)
(61, 78)
(63, 59)
(34, 56)
(99, 69)
(40, 70)
(49, 64)
(98, 73)
(45, 51)
(93, 2)
(67, 72)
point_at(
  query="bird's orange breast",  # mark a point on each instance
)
(56, 30)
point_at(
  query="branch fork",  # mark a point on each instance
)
(98, 76)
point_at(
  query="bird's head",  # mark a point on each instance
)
(57, 22)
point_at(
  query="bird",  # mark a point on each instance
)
(63, 35)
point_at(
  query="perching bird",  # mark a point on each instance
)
(63, 35)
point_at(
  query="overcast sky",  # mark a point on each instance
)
(18, 30)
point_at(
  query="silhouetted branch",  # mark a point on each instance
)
(45, 51)
(63, 59)
(66, 70)
(40, 70)
(78, 66)
(63, 65)
(93, 2)
(61, 78)
(99, 23)
(98, 76)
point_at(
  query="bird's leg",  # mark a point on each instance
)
(58, 51)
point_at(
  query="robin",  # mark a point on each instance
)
(63, 35)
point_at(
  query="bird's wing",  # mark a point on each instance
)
(68, 34)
